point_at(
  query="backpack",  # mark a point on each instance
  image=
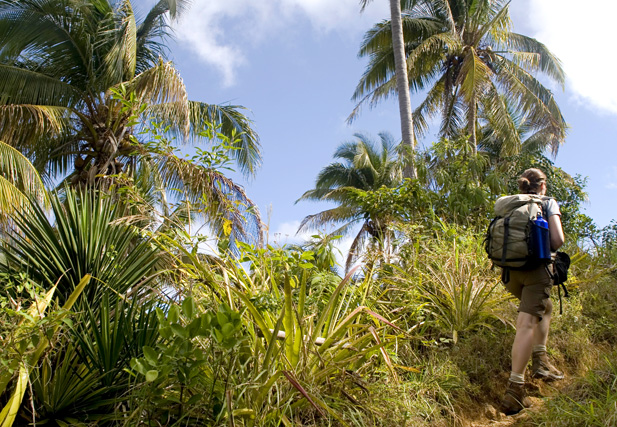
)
(509, 242)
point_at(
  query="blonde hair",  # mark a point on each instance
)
(531, 180)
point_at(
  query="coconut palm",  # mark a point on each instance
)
(364, 166)
(78, 78)
(464, 54)
(404, 100)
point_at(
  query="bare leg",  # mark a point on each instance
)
(526, 325)
(541, 331)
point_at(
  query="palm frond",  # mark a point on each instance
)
(11, 200)
(337, 215)
(430, 106)
(497, 25)
(453, 117)
(227, 208)
(500, 121)
(355, 250)
(18, 170)
(548, 63)
(23, 124)
(475, 75)
(19, 86)
(162, 88)
(120, 60)
(535, 99)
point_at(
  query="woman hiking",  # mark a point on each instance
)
(532, 288)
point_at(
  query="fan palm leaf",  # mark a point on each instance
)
(85, 239)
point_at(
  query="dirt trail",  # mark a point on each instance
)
(538, 391)
(492, 417)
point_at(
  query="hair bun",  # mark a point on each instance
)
(531, 180)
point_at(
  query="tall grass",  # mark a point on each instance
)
(589, 402)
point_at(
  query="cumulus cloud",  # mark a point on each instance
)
(581, 37)
(221, 32)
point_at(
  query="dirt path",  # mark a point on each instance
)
(538, 391)
(493, 417)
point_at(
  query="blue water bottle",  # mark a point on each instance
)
(541, 240)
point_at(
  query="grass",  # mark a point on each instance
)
(590, 401)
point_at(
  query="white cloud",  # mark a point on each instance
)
(336, 15)
(611, 179)
(582, 38)
(285, 234)
(221, 32)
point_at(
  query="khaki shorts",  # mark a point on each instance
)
(533, 289)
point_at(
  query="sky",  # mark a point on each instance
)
(293, 64)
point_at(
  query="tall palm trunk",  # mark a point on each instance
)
(472, 118)
(402, 86)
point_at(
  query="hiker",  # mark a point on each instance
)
(532, 287)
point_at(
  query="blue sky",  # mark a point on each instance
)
(294, 65)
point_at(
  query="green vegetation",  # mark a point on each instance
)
(112, 313)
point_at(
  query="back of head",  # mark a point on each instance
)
(531, 180)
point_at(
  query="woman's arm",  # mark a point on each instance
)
(555, 232)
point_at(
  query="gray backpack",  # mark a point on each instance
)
(508, 240)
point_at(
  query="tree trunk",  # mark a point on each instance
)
(472, 118)
(402, 87)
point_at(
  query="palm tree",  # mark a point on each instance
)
(404, 99)
(364, 166)
(464, 54)
(78, 79)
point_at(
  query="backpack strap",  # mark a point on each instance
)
(561, 285)
(506, 234)
(505, 275)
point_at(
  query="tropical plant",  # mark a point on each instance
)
(170, 192)
(190, 367)
(364, 166)
(77, 80)
(88, 237)
(230, 355)
(464, 54)
(461, 184)
(448, 280)
(26, 349)
(81, 372)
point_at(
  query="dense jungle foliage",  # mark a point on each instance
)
(126, 303)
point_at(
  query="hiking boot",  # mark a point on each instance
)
(515, 399)
(542, 368)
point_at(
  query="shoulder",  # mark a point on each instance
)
(551, 207)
